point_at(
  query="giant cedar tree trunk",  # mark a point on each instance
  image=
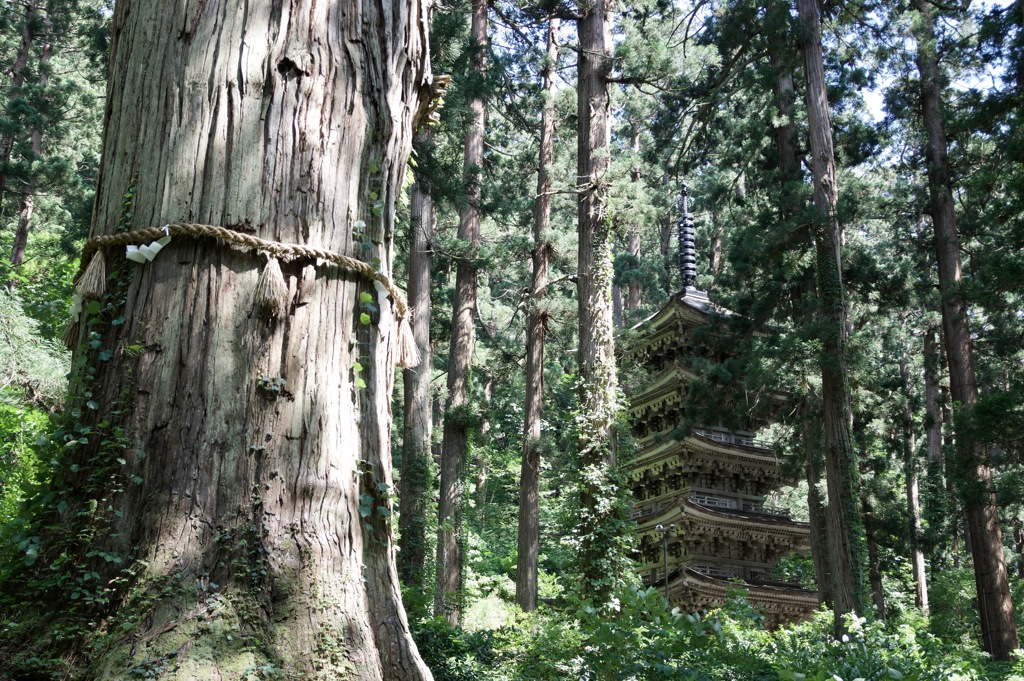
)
(536, 330)
(455, 443)
(278, 120)
(598, 385)
(846, 527)
(970, 466)
(416, 434)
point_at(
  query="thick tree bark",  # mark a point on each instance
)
(536, 332)
(28, 195)
(455, 443)
(909, 443)
(254, 448)
(28, 36)
(418, 426)
(598, 384)
(845, 525)
(970, 468)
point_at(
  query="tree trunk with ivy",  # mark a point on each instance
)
(598, 384)
(226, 500)
(418, 422)
(969, 466)
(457, 421)
(536, 331)
(845, 525)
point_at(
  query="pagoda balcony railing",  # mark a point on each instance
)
(715, 571)
(732, 438)
(751, 575)
(641, 512)
(712, 501)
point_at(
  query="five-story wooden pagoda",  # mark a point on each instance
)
(700, 493)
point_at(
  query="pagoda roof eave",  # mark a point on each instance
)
(736, 520)
(755, 592)
(748, 456)
(666, 381)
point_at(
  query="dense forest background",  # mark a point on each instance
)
(710, 94)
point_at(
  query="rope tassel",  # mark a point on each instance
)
(271, 294)
(70, 335)
(93, 282)
(408, 353)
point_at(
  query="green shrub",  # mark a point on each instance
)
(871, 651)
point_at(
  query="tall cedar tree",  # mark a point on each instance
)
(28, 192)
(971, 468)
(598, 384)
(280, 123)
(418, 415)
(845, 525)
(910, 462)
(786, 146)
(457, 421)
(536, 332)
(30, 28)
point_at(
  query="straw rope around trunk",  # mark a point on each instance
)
(271, 291)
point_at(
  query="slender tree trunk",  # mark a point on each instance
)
(536, 331)
(955, 518)
(874, 566)
(909, 442)
(480, 462)
(241, 519)
(598, 384)
(455, 445)
(667, 223)
(617, 313)
(28, 196)
(17, 81)
(846, 528)
(815, 507)
(998, 627)
(932, 404)
(785, 98)
(418, 426)
(1018, 540)
(633, 287)
(715, 259)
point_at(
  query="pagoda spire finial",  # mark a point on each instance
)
(687, 242)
